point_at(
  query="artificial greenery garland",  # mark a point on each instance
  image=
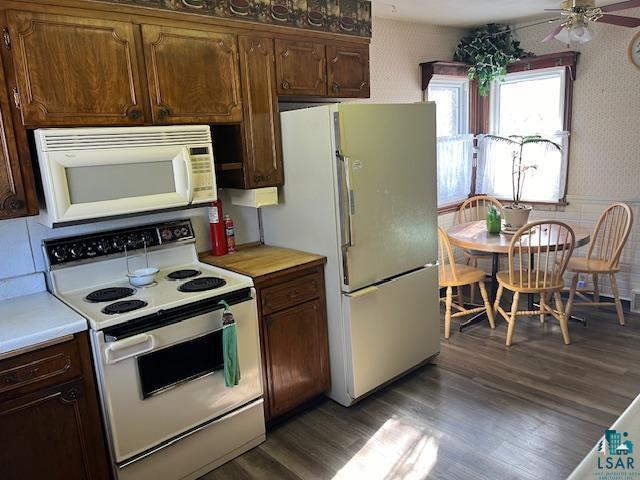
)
(489, 50)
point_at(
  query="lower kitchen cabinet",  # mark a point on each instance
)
(297, 360)
(49, 417)
(293, 322)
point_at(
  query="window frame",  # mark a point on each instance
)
(480, 107)
(464, 85)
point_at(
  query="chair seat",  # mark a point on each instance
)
(503, 279)
(466, 276)
(586, 265)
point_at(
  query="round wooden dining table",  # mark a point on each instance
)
(475, 237)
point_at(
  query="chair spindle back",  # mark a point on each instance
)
(476, 208)
(550, 244)
(611, 234)
(445, 255)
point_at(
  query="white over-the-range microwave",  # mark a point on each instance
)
(93, 173)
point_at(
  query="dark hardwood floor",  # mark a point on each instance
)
(482, 411)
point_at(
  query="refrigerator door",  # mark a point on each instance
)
(393, 327)
(387, 180)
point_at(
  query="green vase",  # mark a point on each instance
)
(494, 220)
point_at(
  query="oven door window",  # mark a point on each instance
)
(171, 366)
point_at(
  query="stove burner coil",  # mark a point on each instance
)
(109, 294)
(182, 274)
(123, 307)
(201, 284)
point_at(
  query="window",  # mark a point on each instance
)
(527, 103)
(455, 144)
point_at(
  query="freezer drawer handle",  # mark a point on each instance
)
(110, 352)
(363, 292)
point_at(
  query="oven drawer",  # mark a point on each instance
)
(38, 369)
(291, 293)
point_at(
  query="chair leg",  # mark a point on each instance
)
(572, 293)
(564, 319)
(596, 288)
(496, 303)
(558, 298)
(543, 303)
(447, 314)
(616, 296)
(487, 304)
(512, 318)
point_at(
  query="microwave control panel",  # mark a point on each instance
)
(202, 175)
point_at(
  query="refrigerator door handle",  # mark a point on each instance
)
(435, 263)
(350, 198)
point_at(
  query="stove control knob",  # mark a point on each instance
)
(166, 234)
(133, 240)
(102, 246)
(59, 253)
(117, 243)
(76, 250)
(184, 231)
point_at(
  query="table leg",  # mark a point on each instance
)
(482, 317)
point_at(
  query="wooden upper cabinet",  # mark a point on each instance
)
(301, 68)
(13, 198)
(75, 71)
(193, 75)
(348, 71)
(263, 155)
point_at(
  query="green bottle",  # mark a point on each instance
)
(494, 220)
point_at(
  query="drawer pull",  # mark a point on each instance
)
(11, 379)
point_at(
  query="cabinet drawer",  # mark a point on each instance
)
(38, 369)
(290, 293)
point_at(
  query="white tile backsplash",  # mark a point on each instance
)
(21, 239)
(15, 253)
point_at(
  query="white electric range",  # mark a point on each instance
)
(157, 349)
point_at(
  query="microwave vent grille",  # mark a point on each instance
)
(119, 138)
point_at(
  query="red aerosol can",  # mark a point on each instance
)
(230, 233)
(216, 224)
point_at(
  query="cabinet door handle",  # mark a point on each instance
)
(285, 85)
(335, 87)
(164, 113)
(134, 114)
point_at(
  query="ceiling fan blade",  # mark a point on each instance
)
(553, 33)
(614, 7)
(619, 20)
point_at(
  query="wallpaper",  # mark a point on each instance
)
(605, 142)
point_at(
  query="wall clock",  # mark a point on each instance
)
(634, 50)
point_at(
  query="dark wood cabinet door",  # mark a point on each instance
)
(263, 154)
(13, 198)
(300, 68)
(47, 435)
(348, 71)
(297, 355)
(193, 75)
(75, 71)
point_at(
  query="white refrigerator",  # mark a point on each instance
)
(360, 188)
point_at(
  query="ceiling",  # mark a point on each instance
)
(467, 13)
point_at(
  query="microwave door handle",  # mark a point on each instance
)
(187, 167)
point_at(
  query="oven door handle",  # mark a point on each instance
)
(111, 355)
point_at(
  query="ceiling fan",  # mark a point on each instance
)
(577, 16)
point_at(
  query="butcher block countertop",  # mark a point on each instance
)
(259, 261)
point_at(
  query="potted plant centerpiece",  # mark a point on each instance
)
(516, 214)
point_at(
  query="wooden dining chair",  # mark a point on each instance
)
(538, 256)
(452, 275)
(476, 208)
(472, 210)
(608, 240)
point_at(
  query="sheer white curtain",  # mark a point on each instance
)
(455, 157)
(544, 183)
